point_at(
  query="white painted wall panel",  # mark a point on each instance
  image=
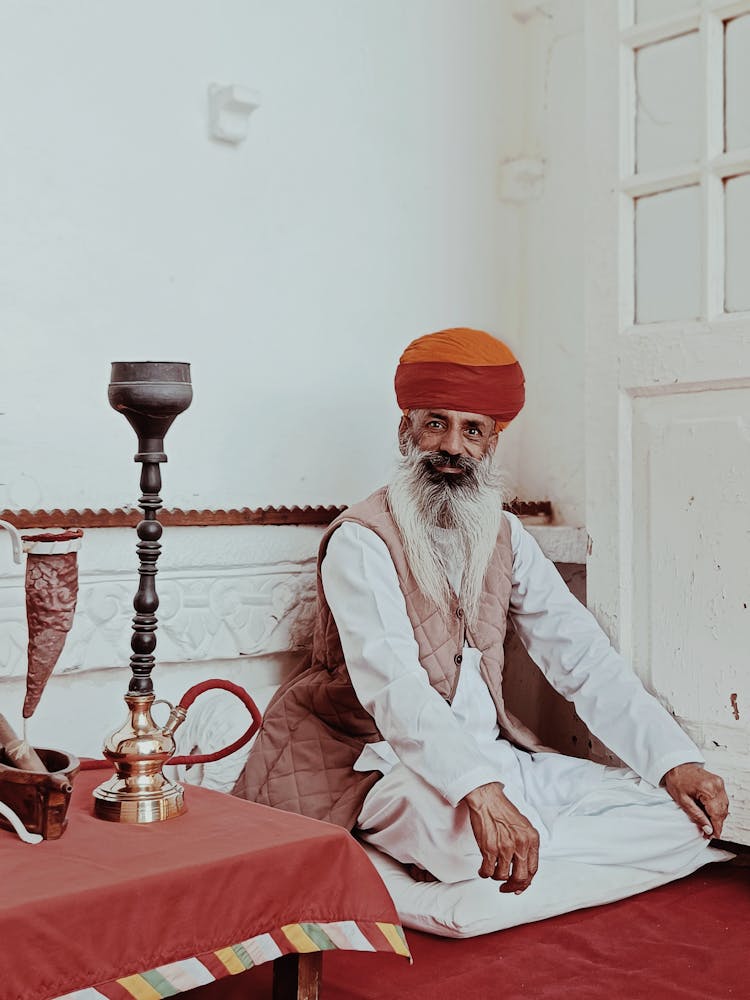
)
(737, 83)
(668, 256)
(691, 558)
(668, 115)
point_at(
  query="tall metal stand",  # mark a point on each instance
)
(150, 394)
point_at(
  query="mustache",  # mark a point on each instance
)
(465, 481)
(436, 459)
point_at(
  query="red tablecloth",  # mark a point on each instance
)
(111, 900)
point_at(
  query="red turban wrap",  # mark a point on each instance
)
(460, 369)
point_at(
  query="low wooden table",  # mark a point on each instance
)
(120, 911)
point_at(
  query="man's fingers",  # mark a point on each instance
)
(534, 857)
(525, 867)
(717, 807)
(520, 879)
(515, 887)
(504, 861)
(701, 795)
(489, 861)
(696, 814)
(520, 862)
(508, 843)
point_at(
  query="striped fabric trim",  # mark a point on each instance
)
(177, 977)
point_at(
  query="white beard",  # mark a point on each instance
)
(470, 507)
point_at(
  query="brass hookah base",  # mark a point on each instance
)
(138, 792)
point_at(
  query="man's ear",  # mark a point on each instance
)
(403, 430)
(492, 442)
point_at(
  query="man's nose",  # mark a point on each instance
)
(452, 441)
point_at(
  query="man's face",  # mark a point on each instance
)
(450, 437)
(446, 490)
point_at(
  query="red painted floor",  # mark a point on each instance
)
(688, 940)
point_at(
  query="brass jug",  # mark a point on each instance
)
(139, 792)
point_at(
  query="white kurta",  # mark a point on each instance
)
(433, 753)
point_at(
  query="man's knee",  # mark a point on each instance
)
(407, 819)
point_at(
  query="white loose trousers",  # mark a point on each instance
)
(581, 810)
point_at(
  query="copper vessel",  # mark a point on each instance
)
(40, 800)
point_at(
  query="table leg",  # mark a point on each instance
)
(297, 977)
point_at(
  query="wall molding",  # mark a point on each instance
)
(215, 613)
(128, 517)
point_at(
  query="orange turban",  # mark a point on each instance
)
(461, 369)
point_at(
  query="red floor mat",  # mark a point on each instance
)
(688, 940)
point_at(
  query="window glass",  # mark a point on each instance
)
(668, 256)
(737, 83)
(737, 207)
(668, 115)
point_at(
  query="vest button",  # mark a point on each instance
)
(457, 659)
(460, 613)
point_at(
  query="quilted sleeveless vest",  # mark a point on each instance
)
(314, 729)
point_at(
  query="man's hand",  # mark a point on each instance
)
(508, 842)
(700, 794)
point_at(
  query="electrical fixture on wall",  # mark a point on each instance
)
(524, 10)
(521, 179)
(229, 110)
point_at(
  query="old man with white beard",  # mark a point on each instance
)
(397, 726)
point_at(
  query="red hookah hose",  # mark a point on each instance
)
(91, 764)
(187, 700)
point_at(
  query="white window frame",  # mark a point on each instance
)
(710, 173)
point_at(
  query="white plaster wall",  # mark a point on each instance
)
(364, 209)
(291, 271)
(550, 439)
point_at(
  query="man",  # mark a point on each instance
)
(398, 728)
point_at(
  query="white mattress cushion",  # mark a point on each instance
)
(465, 909)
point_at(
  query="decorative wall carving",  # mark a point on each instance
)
(203, 615)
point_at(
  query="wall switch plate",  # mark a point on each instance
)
(229, 110)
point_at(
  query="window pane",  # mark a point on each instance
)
(668, 256)
(737, 76)
(655, 10)
(737, 202)
(668, 117)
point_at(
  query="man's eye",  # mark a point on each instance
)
(474, 431)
